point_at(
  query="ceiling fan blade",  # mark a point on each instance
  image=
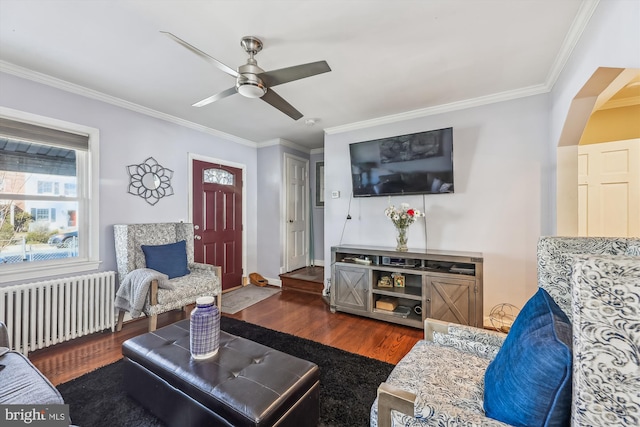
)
(270, 97)
(289, 74)
(216, 97)
(201, 54)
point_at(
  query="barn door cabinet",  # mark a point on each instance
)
(407, 287)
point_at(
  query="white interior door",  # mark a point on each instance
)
(297, 212)
(609, 189)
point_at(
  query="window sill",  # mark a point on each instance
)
(21, 273)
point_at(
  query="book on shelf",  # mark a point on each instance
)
(387, 304)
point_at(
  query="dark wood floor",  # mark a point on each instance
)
(298, 313)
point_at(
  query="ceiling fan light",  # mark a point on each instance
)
(251, 90)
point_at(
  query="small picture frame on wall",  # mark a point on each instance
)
(320, 184)
(398, 280)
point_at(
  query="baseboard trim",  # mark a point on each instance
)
(274, 282)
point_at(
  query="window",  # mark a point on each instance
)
(218, 176)
(48, 203)
(44, 187)
(40, 215)
(70, 189)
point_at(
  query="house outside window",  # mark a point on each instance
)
(70, 189)
(49, 202)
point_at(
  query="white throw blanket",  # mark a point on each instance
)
(134, 288)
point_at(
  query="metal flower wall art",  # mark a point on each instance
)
(150, 181)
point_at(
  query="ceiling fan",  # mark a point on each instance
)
(252, 81)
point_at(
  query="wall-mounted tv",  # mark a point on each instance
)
(418, 163)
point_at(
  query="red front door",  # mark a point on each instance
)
(217, 219)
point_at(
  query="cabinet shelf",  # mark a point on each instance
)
(444, 285)
(411, 320)
(412, 292)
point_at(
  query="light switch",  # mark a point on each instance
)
(335, 194)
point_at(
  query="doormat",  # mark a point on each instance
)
(239, 299)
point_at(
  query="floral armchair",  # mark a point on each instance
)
(596, 283)
(133, 243)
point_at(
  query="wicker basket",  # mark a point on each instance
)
(258, 280)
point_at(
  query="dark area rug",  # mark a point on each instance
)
(348, 384)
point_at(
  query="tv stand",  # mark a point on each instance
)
(445, 285)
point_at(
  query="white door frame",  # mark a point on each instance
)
(243, 168)
(285, 204)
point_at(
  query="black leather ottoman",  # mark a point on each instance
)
(245, 384)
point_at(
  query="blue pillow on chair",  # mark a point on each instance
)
(529, 381)
(170, 259)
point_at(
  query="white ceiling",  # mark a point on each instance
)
(388, 58)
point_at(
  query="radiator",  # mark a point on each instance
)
(41, 314)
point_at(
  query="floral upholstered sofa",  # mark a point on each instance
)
(595, 282)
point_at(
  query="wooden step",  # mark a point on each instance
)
(306, 279)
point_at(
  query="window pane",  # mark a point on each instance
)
(31, 227)
(45, 209)
(36, 230)
(38, 184)
(218, 176)
(70, 189)
(31, 168)
(42, 215)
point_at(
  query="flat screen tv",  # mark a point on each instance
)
(418, 163)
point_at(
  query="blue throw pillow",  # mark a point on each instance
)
(529, 381)
(169, 259)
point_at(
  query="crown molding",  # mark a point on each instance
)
(284, 142)
(295, 146)
(269, 143)
(439, 109)
(582, 18)
(317, 151)
(35, 76)
(587, 7)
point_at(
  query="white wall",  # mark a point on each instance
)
(269, 202)
(499, 156)
(316, 212)
(128, 137)
(271, 215)
(611, 39)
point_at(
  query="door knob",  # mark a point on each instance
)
(198, 237)
(290, 220)
(196, 227)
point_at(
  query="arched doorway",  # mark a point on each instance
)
(605, 109)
